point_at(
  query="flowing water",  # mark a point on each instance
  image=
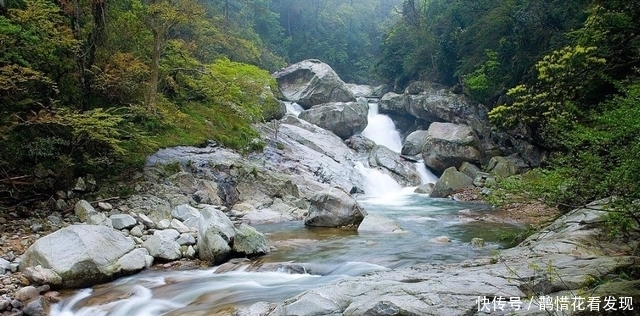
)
(304, 258)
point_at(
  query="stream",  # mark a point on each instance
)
(305, 258)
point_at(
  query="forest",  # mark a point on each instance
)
(93, 86)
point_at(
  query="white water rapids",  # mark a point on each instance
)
(321, 255)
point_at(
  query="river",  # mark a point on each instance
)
(304, 258)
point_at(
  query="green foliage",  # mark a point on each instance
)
(564, 76)
(484, 82)
(445, 41)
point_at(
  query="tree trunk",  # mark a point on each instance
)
(155, 70)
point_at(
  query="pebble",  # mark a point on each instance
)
(105, 206)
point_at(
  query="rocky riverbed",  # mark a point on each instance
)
(196, 206)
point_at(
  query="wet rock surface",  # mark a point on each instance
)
(568, 250)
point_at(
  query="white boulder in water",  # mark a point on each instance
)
(334, 208)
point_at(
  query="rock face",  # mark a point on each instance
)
(82, 255)
(449, 145)
(334, 208)
(312, 82)
(342, 118)
(569, 248)
(450, 181)
(403, 171)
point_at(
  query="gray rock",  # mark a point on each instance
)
(360, 144)
(249, 241)
(134, 261)
(393, 103)
(414, 142)
(449, 145)
(122, 221)
(334, 208)
(82, 255)
(484, 179)
(105, 206)
(26, 293)
(170, 234)
(81, 185)
(469, 169)
(99, 219)
(186, 240)
(373, 223)
(40, 275)
(146, 221)
(163, 246)
(40, 306)
(401, 170)
(215, 234)
(311, 82)
(83, 210)
(424, 188)
(163, 224)
(343, 119)
(136, 231)
(4, 266)
(179, 226)
(450, 181)
(190, 253)
(185, 213)
(502, 167)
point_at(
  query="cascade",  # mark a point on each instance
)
(293, 108)
(382, 130)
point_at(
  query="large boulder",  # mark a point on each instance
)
(312, 82)
(435, 103)
(450, 181)
(393, 103)
(215, 235)
(343, 119)
(379, 224)
(403, 171)
(449, 145)
(334, 208)
(83, 255)
(414, 142)
(249, 241)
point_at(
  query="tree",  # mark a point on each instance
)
(161, 17)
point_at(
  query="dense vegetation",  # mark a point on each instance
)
(565, 71)
(95, 86)
(89, 86)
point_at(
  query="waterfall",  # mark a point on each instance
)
(377, 183)
(293, 108)
(382, 130)
(426, 176)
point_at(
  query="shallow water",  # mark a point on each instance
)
(318, 256)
